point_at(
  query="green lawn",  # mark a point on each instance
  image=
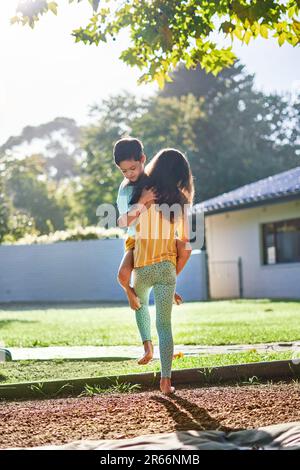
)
(29, 371)
(211, 323)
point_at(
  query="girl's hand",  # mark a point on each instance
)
(177, 299)
(148, 196)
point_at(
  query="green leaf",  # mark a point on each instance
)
(264, 31)
(238, 33)
(227, 27)
(296, 27)
(294, 40)
(281, 39)
(247, 37)
(14, 20)
(255, 28)
(52, 6)
(160, 78)
(292, 11)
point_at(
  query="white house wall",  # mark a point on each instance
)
(235, 234)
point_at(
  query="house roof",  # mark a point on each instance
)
(272, 189)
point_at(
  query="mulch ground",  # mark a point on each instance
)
(119, 416)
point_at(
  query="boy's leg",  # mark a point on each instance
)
(142, 286)
(124, 275)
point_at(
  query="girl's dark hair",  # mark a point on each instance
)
(127, 148)
(169, 174)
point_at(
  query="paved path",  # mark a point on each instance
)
(133, 352)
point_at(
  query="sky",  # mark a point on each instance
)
(45, 74)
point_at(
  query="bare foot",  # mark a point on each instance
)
(177, 299)
(148, 347)
(133, 299)
(165, 386)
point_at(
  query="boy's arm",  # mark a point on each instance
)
(146, 199)
(122, 201)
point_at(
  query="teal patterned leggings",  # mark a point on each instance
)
(162, 277)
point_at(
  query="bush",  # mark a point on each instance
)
(76, 234)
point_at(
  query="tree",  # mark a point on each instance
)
(31, 196)
(231, 133)
(164, 33)
(99, 176)
(4, 210)
(201, 84)
(59, 143)
(53, 173)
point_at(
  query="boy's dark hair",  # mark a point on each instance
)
(128, 148)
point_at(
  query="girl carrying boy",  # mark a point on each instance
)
(159, 200)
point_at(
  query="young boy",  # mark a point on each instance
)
(130, 159)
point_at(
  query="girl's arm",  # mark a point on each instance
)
(146, 199)
(183, 245)
(182, 257)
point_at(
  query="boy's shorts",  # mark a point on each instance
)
(129, 243)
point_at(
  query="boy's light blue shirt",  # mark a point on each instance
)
(123, 199)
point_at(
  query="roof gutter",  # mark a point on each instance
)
(249, 205)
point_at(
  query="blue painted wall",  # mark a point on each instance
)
(79, 271)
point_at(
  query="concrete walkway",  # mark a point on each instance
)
(133, 352)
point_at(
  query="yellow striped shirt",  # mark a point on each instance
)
(155, 239)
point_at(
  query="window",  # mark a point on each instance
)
(281, 242)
